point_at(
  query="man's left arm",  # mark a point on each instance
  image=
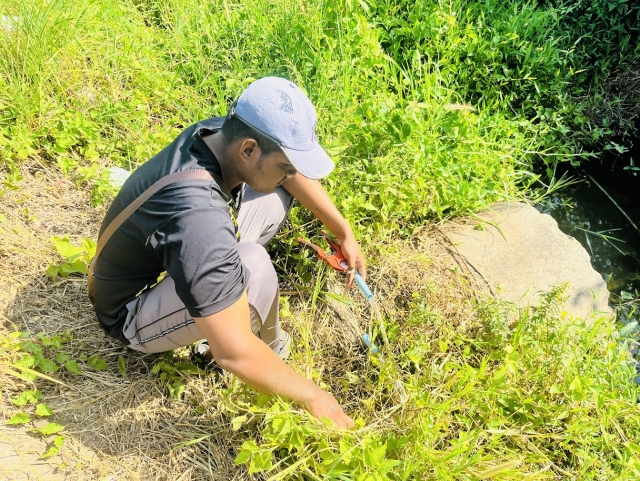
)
(312, 195)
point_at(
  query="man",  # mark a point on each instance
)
(174, 272)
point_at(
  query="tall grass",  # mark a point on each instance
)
(131, 76)
(431, 109)
(538, 397)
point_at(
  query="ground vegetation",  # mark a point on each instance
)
(432, 110)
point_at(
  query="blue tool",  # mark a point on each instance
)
(337, 261)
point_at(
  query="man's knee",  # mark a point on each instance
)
(261, 215)
(256, 260)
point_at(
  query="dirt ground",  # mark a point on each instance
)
(126, 427)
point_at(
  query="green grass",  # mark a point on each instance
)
(541, 397)
(431, 109)
(93, 83)
(120, 81)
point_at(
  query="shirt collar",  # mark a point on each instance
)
(214, 164)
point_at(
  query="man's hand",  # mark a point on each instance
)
(355, 259)
(237, 350)
(312, 195)
(324, 405)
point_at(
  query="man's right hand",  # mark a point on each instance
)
(325, 406)
(237, 350)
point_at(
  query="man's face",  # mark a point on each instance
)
(271, 171)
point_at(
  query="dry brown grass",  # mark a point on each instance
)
(127, 427)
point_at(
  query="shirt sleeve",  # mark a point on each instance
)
(198, 249)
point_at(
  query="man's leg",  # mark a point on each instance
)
(261, 215)
(260, 218)
(158, 321)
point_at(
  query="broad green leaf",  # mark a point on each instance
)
(260, 461)
(25, 361)
(55, 341)
(30, 347)
(52, 271)
(387, 465)
(374, 456)
(346, 450)
(52, 451)
(62, 357)
(78, 266)
(47, 365)
(65, 248)
(73, 367)
(242, 457)
(187, 368)
(54, 448)
(51, 428)
(20, 418)
(43, 410)
(281, 425)
(98, 363)
(89, 246)
(27, 397)
(248, 448)
(237, 422)
(176, 388)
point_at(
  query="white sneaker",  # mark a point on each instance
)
(284, 350)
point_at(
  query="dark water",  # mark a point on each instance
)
(586, 213)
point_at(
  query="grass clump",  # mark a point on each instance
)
(116, 83)
(541, 396)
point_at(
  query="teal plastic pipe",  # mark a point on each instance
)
(363, 286)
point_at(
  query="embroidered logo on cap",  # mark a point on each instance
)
(286, 106)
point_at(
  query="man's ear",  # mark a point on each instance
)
(249, 150)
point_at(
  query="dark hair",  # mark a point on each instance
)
(235, 129)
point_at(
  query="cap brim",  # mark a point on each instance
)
(313, 164)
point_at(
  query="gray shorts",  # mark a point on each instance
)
(158, 321)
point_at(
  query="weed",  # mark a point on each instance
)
(76, 259)
(172, 374)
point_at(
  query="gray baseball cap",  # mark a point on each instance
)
(280, 111)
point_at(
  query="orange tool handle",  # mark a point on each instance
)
(335, 260)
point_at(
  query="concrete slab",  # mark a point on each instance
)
(521, 253)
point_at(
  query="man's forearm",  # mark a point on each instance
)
(237, 350)
(312, 195)
(263, 370)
